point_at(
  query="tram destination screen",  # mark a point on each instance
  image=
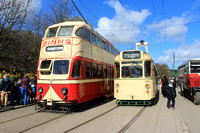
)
(131, 55)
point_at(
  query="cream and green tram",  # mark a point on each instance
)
(135, 78)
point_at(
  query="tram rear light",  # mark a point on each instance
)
(117, 91)
(147, 91)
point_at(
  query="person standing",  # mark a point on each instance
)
(170, 93)
(24, 89)
(5, 88)
(164, 85)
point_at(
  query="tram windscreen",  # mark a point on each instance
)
(132, 71)
(65, 31)
(61, 67)
(51, 32)
(45, 64)
(131, 55)
(195, 69)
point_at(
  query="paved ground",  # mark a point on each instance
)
(155, 119)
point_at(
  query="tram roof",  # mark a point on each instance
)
(80, 23)
(194, 59)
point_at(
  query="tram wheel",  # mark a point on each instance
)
(196, 98)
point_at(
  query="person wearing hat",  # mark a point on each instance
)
(171, 94)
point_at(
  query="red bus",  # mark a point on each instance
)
(75, 65)
(189, 79)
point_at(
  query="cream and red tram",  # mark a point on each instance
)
(189, 79)
(75, 65)
(135, 78)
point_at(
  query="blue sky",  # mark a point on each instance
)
(168, 25)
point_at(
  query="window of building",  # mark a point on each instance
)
(88, 73)
(83, 33)
(51, 32)
(76, 71)
(65, 31)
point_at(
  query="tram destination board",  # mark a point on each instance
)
(131, 55)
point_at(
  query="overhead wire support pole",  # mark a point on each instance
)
(79, 11)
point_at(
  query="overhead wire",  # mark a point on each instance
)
(97, 19)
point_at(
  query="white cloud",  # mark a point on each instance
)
(174, 28)
(124, 26)
(182, 53)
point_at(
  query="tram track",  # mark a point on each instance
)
(75, 127)
(25, 130)
(132, 120)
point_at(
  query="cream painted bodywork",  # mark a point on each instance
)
(134, 88)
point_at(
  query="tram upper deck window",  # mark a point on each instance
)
(51, 32)
(132, 71)
(103, 45)
(61, 67)
(98, 42)
(65, 31)
(83, 33)
(107, 47)
(148, 69)
(131, 55)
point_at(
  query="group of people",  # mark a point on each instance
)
(168, 89)
(22, 92)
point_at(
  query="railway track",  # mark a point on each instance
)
(132, 120)
(121, 131)
(90, 119)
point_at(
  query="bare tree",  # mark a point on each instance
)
(63, 11)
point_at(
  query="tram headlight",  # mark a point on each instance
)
(64, 90)
(40, 90)
(147, 86)
(117, 85)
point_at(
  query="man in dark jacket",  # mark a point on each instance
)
(5, 88)
(24, 89)
(171, 94)
(164, 85)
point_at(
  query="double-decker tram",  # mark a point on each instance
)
(189, 79)
(75, 65)
(135, 80)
